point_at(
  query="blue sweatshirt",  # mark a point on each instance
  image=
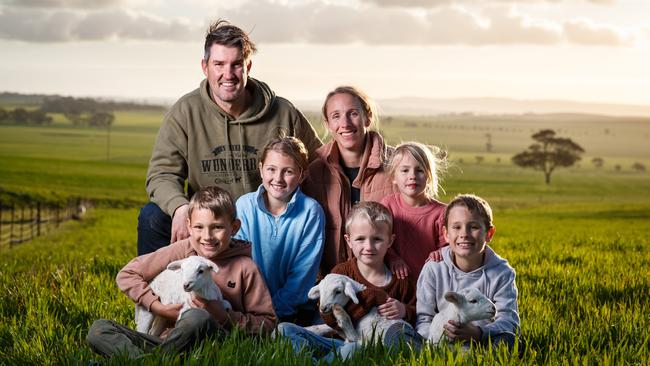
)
(286, 248)
(495, 279)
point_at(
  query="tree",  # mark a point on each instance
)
(598, 162)
(101, 119)
(548, 153)
(639, 167)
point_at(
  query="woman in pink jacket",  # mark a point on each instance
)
(348, 169)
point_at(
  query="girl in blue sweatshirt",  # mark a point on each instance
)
(285, 227)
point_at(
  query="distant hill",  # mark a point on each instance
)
(437, 106)
(38, 99)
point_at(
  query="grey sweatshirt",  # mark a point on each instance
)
(495, 279)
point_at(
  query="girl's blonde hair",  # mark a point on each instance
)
(290, 146)
(432, 159)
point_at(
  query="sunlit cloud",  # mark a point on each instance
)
(76, 4)
(69, 25)
(436, 3)
(313, 22)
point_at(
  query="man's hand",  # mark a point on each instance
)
(179, 224)
(457, 332)
(399, 268)
(392, 309)
(169, 311)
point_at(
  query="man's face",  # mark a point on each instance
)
(227, 73)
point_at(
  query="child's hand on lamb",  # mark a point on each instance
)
(459, 332)
(214, 307)
(392, 309)
(169, 311)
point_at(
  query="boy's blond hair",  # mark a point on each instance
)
(374, 212)
(431, 158)
(215, 199)
(474, 204)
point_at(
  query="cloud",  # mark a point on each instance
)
(325, 24)
(312, 22)
(584, 31)
(75, 4)
(38, 25)
(436, 3)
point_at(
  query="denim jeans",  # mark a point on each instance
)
(391, 333)
(109, 338)
(154, 229)
(317, 345)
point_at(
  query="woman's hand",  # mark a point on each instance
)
(399, 268)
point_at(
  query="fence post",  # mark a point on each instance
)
(31, 222)
(38, 218)
(11, 227)
(22, 219)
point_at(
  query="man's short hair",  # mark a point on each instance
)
(474, 204)
(374, 212)
(215, 199)
(223, 33)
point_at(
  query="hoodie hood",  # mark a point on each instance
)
(478, 278)
(263, 99)
(235, 248)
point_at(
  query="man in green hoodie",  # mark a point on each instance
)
(212, 135)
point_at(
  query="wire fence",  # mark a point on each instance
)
(22, 223)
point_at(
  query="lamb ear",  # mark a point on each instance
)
(314, 293)
(454, 297)
(351, 291)
(175, 265)
(214, 267)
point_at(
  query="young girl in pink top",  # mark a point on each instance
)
(418, 216)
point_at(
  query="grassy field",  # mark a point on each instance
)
(580, 246)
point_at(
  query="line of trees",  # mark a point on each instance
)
(23, 116)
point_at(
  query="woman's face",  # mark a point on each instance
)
(347, 122)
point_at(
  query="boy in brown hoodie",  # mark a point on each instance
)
(212, 223)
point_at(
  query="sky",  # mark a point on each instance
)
(581, 50)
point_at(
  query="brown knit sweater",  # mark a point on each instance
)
(402, 290)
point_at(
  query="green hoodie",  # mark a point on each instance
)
(202, 144)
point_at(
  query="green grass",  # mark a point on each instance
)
(580, 247)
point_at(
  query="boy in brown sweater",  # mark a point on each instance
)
(212, 223)
(369, 234)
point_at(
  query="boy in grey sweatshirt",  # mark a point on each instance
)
(469, 262)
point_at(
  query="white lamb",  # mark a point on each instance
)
(334, 292)
(175, 285)
(464, 306)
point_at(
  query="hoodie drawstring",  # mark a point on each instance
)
(244, 177)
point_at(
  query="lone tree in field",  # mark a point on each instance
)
(598, 162)
(549, 152)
